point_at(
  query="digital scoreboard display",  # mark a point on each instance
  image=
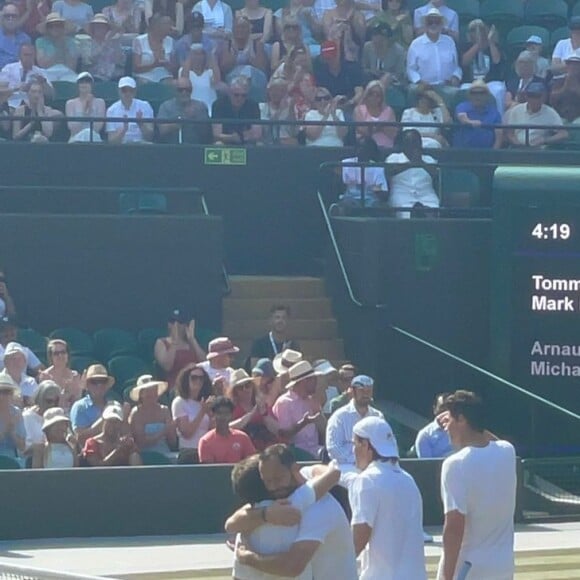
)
(536, 301)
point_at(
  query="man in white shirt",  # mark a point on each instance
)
(451, 18)
(478, 488)
(565, 47)
(129, 107)
(323, 538)
(411, 175)
(433, 441)
(432, 58)
(534, 112)
(15, 366)
(387, 509)
(276, 528)
(8, 334)
(21, 73)
(340, 425)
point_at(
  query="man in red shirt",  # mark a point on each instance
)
(222, 444)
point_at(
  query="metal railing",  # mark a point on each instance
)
(299, 124)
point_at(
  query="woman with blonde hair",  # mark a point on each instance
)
(260, 18)
(373, 108)
(326, 108)
(59, 371)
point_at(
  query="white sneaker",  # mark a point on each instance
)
(427, 538)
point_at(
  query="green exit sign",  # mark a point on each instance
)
(225, 156)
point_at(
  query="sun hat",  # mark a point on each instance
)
(323, 367)
(285, 359)
(6, 382)
(53, 416)
(55, 18)
(239, 377)
(127, 82)
(534, 39)
(220, 346)
(362, 381)
(99, 372)
(100, 18)
(379, 434)
(300, 371)
(113, 411)
(264, 368)
(146, 382)
(479, 86)
(14, 348)
(433, 13)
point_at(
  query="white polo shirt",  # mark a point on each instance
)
(269, 539)
(117, 109)
(339, 431)
(433, 62)
(387, 499)
(480, 483)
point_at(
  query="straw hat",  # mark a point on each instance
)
(284, 360)
(6, 382)
(300, 371)
(53, 416)
(100, 18)
(55, 18)
(239, 377)
(99, 372)
(146, 382)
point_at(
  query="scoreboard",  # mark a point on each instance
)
(536, 295)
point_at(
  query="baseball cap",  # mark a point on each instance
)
(177, 315)
(535, 88)
(362, 381)
(127, 82)
(197, 18)
(381, 28)
(534, 39)
(379, 434)
(85, 75)
(574, 23)
(264, 368)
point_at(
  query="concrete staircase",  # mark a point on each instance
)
(246, 313)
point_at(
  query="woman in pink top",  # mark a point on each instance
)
(374, 109)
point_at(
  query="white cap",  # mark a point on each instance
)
(434, 12)
(14, 348)
(127, 82)
(85, 75)
(113, 411)
(323, 367)
(362, 381)
(379, 434)
(534, 39)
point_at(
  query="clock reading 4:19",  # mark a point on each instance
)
(553, 231)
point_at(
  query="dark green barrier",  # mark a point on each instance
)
(142, 501)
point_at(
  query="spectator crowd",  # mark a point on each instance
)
(137, 61)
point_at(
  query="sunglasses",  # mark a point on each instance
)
(97, 381)
(322, 98)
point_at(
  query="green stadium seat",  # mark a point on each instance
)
(33, 340)
(557, 35)
(516, 39)
(459, 188)
(551, 14)
(136, 203)
(146, 341)
(412, 5)
(80, 363)
(64, 90)
(107, 90)
(111, 342)
(396, 99)
(9, 462)
(155, 93)
(204, 335)
(79, 342)
(504, 14)
(467, 10)
(155, 458)
(127, 368)
(301, 454)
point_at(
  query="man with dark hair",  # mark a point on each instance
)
(276, 340)
(387, 509)
(478, 486)
(277, 524)
(222, 444)
(323, 540)
(433, 441)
